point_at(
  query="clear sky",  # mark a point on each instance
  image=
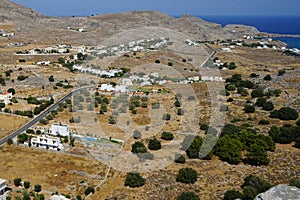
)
(171, 7)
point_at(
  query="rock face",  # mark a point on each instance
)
(32, 27)
(238, 28)
(280, 192)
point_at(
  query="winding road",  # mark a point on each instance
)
(36, 119)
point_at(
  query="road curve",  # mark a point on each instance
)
(36, 119)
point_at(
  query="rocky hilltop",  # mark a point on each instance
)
(32, 27)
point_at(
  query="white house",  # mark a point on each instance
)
(46, 142)
(121, 88)
(126, 82)
(106, 87)
(2, 185)
(58, 197)
(207, 78)
(60, 129)
(5, 97)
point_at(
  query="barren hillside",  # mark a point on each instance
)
(32, 27)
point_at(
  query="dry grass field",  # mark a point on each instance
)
(9, 123)
(54, 171)
(214, 178)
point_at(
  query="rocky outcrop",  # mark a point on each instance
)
(280, 192)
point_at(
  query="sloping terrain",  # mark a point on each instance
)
(32, 27)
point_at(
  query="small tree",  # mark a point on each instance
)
(204, 127)
(89, 190)
(138, 147)
(257, 155)
(268, 77)
(180, 111)
(187, 175)
(287, 113)
(260, 101)
(26, 184)
(37, 188)
(258, 92)
(11, 90)
(17, 182)
(232, 195)
(177, 103)
(137, 134)
(154, 144)
(167, 136)
(134, 179)
(179, 158)
(188, 196)
(249, 109)
(295, 182)
(10, 141)
(259, 184)
(166, 117)
(268, 106)
(281, 72)
(112, 119)
(51, 79)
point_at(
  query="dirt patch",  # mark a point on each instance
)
(10, 123)
(53, 171)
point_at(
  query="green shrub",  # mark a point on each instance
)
(268, 106)
(188, 196)
(179, 158)
(154, 144)
(17, 182)
(134, 180)
(263, 122)
(249, 109)
(89, 190)
(232, 195)
(138, 147)
(287, 113)
(295, 182)
(167, 136)
(204, 127)
(187, 175)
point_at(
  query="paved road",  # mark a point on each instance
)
(40, 116)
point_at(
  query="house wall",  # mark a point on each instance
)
(2, 186)
(62, 130)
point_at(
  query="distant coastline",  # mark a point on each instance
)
(283, 25)
(283, 28)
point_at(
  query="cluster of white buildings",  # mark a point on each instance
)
(3, 34)
(43, 62)
(77, 29)
(51, 140)
(212, 78)
(191, 43)
(5, 97)
(58, 49)
(133, 46)
(248, 37)
(107, 73)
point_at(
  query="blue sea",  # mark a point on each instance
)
(269, 24)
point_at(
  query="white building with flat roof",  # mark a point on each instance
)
(2, 185)
(59, 130)
(58, 197)
(46, 142)
(5, 97)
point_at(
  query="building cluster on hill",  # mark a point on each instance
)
(3, 34)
